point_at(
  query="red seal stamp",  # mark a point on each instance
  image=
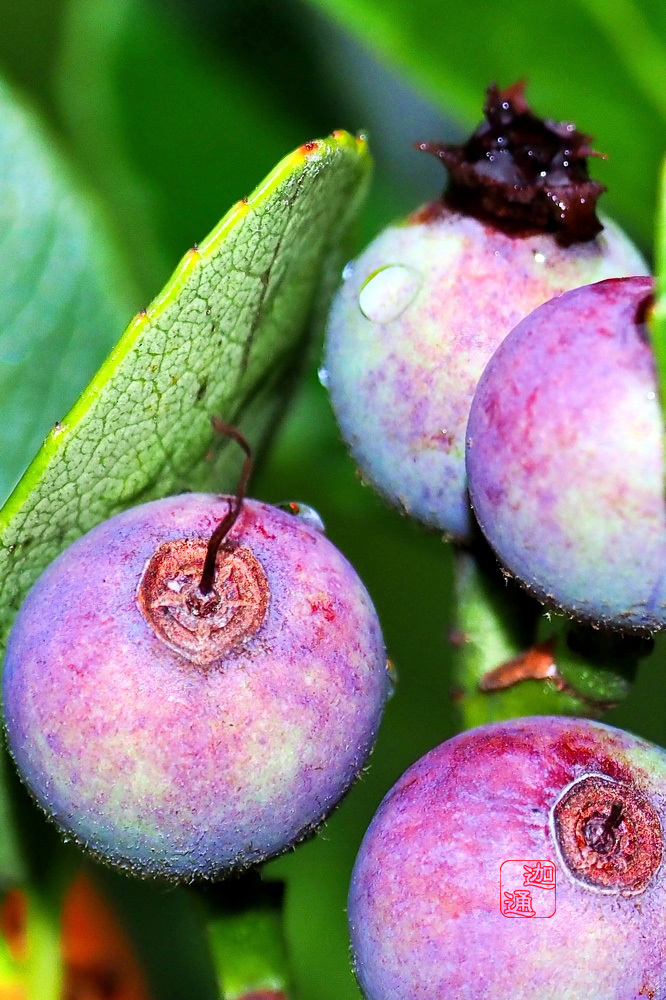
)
(527, 888)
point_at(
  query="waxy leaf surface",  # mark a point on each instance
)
(220, 340)
(63, 300)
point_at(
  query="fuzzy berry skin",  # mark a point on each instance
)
(178, 768)
(412, 329)
(565, 457)
(424, 905)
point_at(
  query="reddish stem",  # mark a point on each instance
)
(230, 518)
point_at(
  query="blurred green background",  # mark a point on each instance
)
(168, 111)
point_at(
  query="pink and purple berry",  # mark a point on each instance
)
(428, 913)
(184, 734)
(426, 304)
(565, 457)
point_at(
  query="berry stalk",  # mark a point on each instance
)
(511, 659)
(244, 918)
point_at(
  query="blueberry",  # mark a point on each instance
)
(450, 891)
(426, 304)
(565, 456)
(185, 731)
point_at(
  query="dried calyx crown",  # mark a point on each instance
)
(205, 597)
(521, 172)
(609, 834)
(227, 522)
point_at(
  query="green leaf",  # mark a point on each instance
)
(11, 971)
(598, 665)
(14, 863)
(512, 658)
(27, 52)
(218, 340)
(62, 296)
(42, 973)
(40, 970)
(43, 969)
(153, 113)
(601, 65)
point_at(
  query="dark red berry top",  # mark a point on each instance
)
(522, 173)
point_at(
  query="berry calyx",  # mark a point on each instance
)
(203, 627)
(521, 172)
(609, 835)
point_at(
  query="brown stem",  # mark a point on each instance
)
(602, 838)
(230, 518)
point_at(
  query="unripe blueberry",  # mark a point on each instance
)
(428, 913)
(565, 456)
(185, 732)
(426, 304)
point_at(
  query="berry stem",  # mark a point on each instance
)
(232, 515)
(601, 837)
(245, 920)
(499, 669)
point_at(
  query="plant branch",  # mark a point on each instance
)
(513, 659)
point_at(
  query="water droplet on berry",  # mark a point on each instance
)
(387, 293)
(304, 513)
(348, 270)
(323, 377)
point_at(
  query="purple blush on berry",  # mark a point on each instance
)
(586, 801)
(565, 456)
(425, 305)
(184, 734)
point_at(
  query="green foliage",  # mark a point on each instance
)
(169, 123)
(219, 339)
(168, 130)
(495, 623)
(14, 869)
(63, 298)
(43, 973)
(600, 666)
